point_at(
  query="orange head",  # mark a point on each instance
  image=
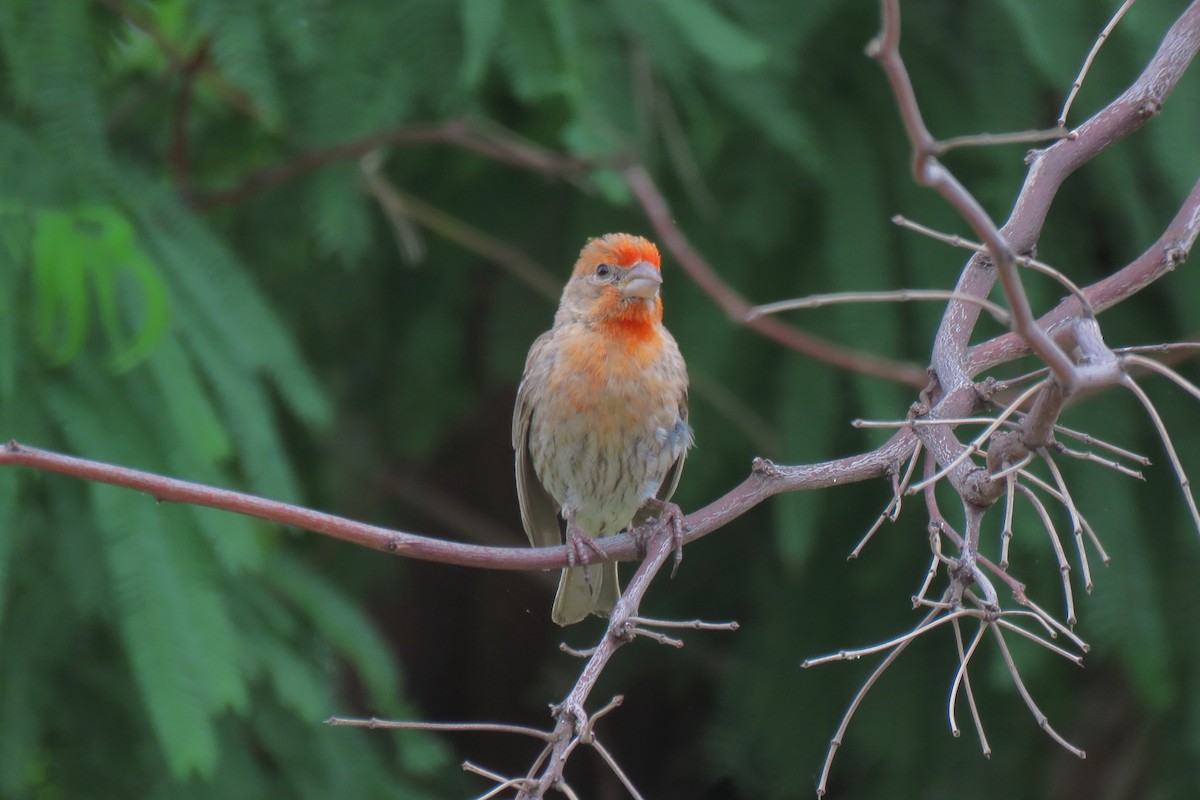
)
(615, 282)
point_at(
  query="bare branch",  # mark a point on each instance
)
(839, 735)
(1074, 516)
(896, 296)
(1060, 556)
(1038, 716)
(978, 441)
(963, 678)
(854, 655)
(1025, 261)
(374, 723)
(892, 510)
(1176, 464)
(928, 171)
(1077, 84)
(991, 139)
(1033, 637)
(736, 308)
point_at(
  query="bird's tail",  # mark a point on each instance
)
(577, 597)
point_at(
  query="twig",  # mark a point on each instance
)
(1074, 516)
(935, 544)
(1088, 439)
(1033, 637)
(1038, 266)
(503, 784)
(840, 734)
(990, 139)
(928, 171)
(616, 768)
(1041, 719)
(1087, 455)
(401, 206)
(917, 423)
(1006, 533)
(962, 677)
(374, 723)
(655, 207)
(892, 510)
(978, 441)
(1060, 556)
(1176, 464)
(895, 296)
(691, 624)
(1046, 618)
(854, 655)
(1077, 84)
(1164, 370)
(765, 480)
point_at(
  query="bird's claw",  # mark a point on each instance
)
(669, 514)
(578, 545)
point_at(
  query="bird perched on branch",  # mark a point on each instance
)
(600, 428)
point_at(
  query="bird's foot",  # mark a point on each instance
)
(669, 516)
(578, 546)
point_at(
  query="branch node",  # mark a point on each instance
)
(764, 467)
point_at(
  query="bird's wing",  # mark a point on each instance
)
(539, 512)
(684, 431)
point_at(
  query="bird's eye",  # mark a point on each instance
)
(603, 270)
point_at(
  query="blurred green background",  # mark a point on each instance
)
(295, 341)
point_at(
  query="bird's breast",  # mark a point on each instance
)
(605, 429)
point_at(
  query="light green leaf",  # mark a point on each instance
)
(59, 285)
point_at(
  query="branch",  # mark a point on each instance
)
(1169, 251)
(738, 309)
(928, 171)
(766, 479)
(456, 132)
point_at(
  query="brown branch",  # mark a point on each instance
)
(466, 236)
(456, 132)
(1169, 251)
(766, 479)
(928, 171)
(573, 724)
(181, 162)
(1048, 169)
(738, 309)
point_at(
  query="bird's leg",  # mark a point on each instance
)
(668, 514)
(578, 545)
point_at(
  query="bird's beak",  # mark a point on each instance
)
(641, 281)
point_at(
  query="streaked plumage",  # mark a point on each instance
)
(600, 425)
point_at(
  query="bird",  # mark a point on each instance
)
(600, 429)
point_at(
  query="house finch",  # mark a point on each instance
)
(600, 428)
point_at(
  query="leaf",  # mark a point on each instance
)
(481, 29)
(94, 245)
(175, 630)
(59, 286)
(808, 406)
(115, 255)
(722, 42)
(190, 414)
(341, 622)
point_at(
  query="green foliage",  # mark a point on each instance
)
(276, 343)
